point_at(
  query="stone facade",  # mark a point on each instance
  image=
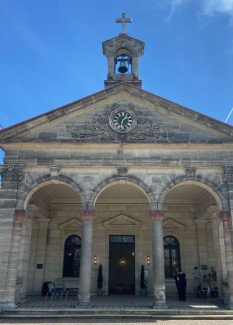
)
(73, 171)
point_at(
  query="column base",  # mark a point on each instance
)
(7, 305)
(84, 303)
(160, 305)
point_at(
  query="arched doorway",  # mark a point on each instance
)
(72, 253)
(171, 255)
(123, 212)
(56, 228)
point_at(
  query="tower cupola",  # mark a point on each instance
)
(123, 54)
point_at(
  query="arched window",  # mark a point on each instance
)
(171, 255)
(72, 253)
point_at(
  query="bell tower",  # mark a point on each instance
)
(123, 54)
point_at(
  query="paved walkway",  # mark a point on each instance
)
(118, 301)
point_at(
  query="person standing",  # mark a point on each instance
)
(176, 282)
(181, 285)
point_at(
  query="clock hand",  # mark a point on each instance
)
(123, 121)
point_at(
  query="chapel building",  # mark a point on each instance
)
(123, 179)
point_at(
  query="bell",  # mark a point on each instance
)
(122, 68)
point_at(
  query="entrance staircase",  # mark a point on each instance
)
(119, 307)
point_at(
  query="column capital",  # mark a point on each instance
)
(20, 216)
(157, 215)
(224, 216)
(88, 214)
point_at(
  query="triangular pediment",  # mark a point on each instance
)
(171, 224)
(122, 220)
(71, 224)
(123, 41)
(91, 120)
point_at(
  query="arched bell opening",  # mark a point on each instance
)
(123, 61)
(123, 64)
(123, 240)
(55, 227)
(191, 238)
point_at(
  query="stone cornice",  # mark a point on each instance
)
(51, 144)
(124, 163)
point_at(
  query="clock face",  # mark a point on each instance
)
(122, 120)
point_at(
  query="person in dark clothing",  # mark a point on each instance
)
(176, 282)
(181, 285)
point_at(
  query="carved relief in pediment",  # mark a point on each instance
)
(122, 122)
(122, 220)
(71, 224)
(174, 225)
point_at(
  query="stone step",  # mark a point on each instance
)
(119, 313)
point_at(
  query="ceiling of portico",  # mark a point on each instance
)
(59, 193)
(185, 194)
(123, 193)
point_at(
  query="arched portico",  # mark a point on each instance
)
(104, 215)
(53, 207)
(218, 191)
(134, 181)
(28, 188)
(192, 209)
(127, 211)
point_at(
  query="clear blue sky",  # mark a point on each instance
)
(51, 52)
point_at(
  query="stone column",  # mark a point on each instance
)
(86, 257)
(201, 241)
(25, 253)
(12, 272)
(158, 259)
(40, 253)
(212, 210)
(226, 219)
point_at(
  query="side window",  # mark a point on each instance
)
(171, 255)
(72, 251)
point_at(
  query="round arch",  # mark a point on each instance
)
(131, 180)
(26, 191)
(212, 188)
